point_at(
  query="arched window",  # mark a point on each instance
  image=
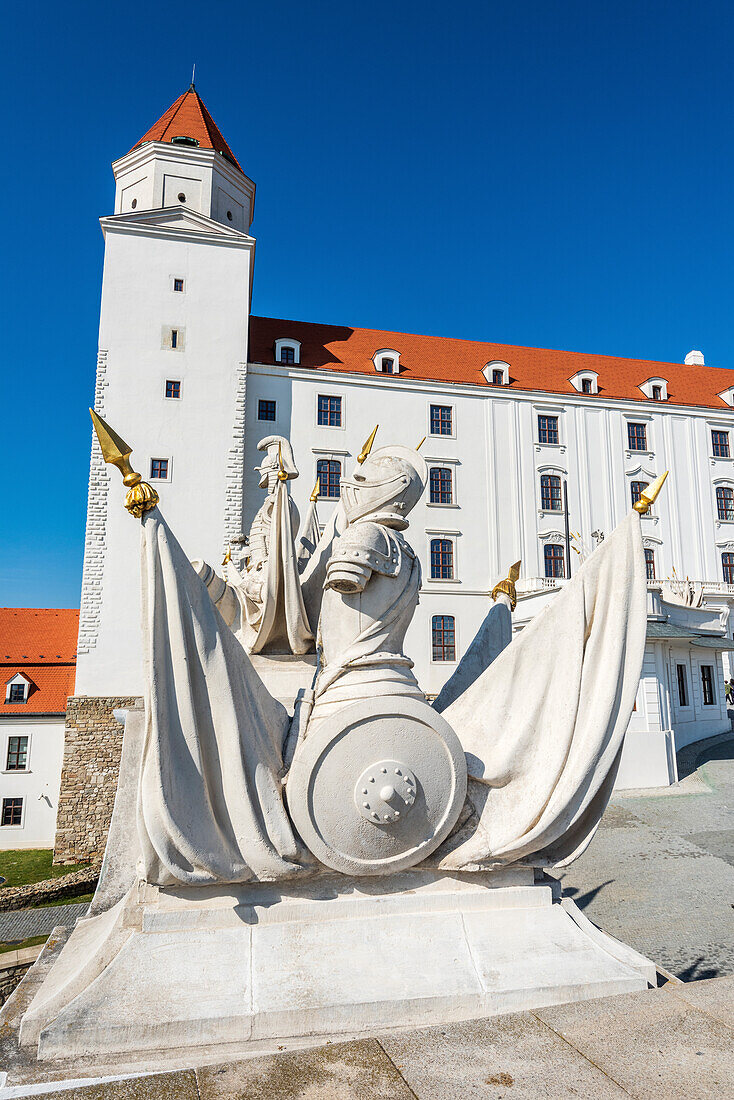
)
(287, 350)
(329, 472)
(443, 637)
(727, 564)
(550, 493)
(441, 489)
(442, 560)
(725, 502)
(636, 488)
(554, 565)
(650, 564)
(587, 385)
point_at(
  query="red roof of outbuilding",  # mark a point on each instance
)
(40, 644)
(441, 359)
(188, 117)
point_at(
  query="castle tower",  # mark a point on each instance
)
(171, 370)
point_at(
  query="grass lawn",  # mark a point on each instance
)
(21, 866)
(32, 941)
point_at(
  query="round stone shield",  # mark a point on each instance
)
(377, 785)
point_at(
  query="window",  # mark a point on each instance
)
(17, 693)
(441, 489)
(173, 387)
(181, 197)
(707, 684)
(441, 420)
(550, 493)
(554, 565)
(443, 637)
(12, 811)
(657, 393)
(386, 365)
(725, 502)
(587, 385)
(174, 337)
(287, 350)
(329, 472)
(386, 361)
(17, 754)
(637, 436)
(159, 469)
(727, 564)
(636, 489)
(682, 685)
(547, 429)
(287, 354)
(265, 409)
(178, 284)
(329, 411)
(650, 564)
(720, 444)
(442, 560)
(498, 377)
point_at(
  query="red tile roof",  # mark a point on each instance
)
(188, 117)
(440, 359)
(40, 643)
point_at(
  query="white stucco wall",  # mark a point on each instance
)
(38, 785)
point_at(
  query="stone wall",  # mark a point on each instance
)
(92, 749)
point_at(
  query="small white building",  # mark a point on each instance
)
(38, 662)
(192, 381)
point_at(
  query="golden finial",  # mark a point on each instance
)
(649, 495)
(368, 445)
(228, 556)
(282, 475)
(141, 497)
(507, 586)
(315, 493)
(421, 443)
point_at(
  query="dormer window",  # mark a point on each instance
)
(182, 139)
(655, 389)
(586, 381)
(387, 361)
(17, 689)
(288, 352)
(497, 372)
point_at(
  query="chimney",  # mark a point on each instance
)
(694, 358)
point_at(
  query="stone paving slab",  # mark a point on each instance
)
(656, 1046)
(21, 924)
(517, 1057)
(716, 998)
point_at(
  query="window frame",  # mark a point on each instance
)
(267, 401)
(436, 537)
(172, 382)
(383, 354)
(444, 660)
(326, 460)
(708, 683)
(157, 477)
(557, 430)
(715, 453)
(342, 406)
(649, 562)
(11, 687)
(720, 493)
(558, 552)
(287, 342)
(11, 824)
(17, 737)
(727, 566)
(549, 475)
(637, 424)
(439, 468)
(452, 412)
(681, 675)
(178, 289)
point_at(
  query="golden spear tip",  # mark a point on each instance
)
(368, 445)
(228, 555)
(113, 447)
(421, 443)
(315, 493)
(507, 586)
(649, 495)
(282, 475)
(140, 497)
(514, 572)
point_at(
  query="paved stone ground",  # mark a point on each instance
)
(659, 874)
(20, 924)
(674, 1042)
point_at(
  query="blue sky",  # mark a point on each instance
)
(555, 174)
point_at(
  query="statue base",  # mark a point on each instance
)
(249, 965)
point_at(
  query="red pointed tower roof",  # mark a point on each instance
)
(188, 117)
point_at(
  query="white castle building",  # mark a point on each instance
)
(193, 382)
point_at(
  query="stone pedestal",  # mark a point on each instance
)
(251, 965)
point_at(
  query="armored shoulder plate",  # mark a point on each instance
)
(371, 546)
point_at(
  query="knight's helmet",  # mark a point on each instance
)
(387, 486)
(277, 449)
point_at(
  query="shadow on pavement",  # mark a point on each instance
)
(582, 900)
(695, 756)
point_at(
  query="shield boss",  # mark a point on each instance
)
(377, 785)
